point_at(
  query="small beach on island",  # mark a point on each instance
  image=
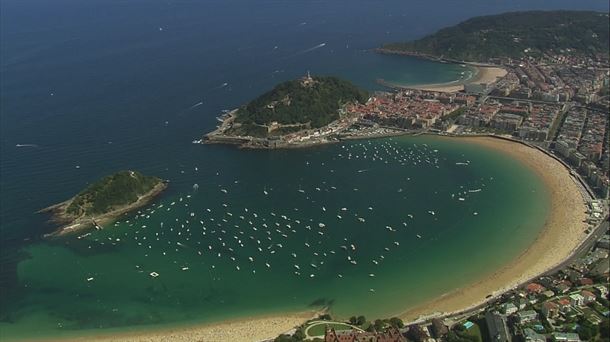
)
(562, 233)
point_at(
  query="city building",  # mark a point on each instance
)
(496, 325)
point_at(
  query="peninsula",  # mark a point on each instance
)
(513, 35)
(295, 113)
(104, 200)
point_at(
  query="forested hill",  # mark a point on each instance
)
(514, 35)
(111, 192)
(311, 101)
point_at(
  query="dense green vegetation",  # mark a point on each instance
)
(312, 104)
(455, 114)
(119, 189)
(377, 325)
(510, 34)
(461, 334)
(320, 329)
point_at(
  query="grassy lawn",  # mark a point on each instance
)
(318, 328)
(474, 331)
(591, 315)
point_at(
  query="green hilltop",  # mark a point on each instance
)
(309, 102)
(510, 34)
(111, 192)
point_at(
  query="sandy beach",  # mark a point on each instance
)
(483, 75)
(249, 329)
(564, 230)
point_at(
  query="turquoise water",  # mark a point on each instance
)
(100, 86)
(423, 215)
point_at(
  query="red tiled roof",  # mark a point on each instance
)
(585, 281)
(550, 305)
(534, 287)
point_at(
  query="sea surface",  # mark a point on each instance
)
(88, 88)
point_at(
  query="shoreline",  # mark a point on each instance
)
(255, 328)
(483, 74)
(71, 226)
(563, 232)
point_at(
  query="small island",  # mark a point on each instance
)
(105, 200)
(303, 112)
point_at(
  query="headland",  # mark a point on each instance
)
(297, 113)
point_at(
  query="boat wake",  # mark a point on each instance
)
(196, 105)
(319, 46)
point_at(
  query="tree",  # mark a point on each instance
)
(379, 324)
(325, 317)
(453, 337)
(586, 330)
(283, 338)
(396, 322)
(361, 320)
(604, 328)
(353, 320)
(299, 335)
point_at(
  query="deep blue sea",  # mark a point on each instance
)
(93, 87)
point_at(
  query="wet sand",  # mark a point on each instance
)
(563, 232)
(249, 329)
(483, 75)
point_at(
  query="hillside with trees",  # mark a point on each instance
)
(515, 35)
(117, 190)
(309, 102)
